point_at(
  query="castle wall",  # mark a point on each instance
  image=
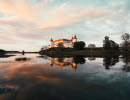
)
(69, 44)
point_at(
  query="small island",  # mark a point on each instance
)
(73, 47)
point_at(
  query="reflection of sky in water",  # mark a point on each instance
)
(37, 80)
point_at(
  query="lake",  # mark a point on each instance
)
(36, 77)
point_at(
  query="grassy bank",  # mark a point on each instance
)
(84, 52)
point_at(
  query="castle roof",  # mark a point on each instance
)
(60, 40)
(73, 38)
(60, 64)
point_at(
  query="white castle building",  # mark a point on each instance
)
(63, 42)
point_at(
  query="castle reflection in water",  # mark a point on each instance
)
(66, 61)
(107, 62)
(74, 61)
(63, 62)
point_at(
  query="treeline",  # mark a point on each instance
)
(108, 44)
(126, 41)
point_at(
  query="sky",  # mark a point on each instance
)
(30, 24)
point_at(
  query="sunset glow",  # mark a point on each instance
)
(30, 24)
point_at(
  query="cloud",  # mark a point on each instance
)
(16, 8)
(56, 17)
(29, 20)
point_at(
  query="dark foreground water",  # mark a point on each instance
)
(35, 77)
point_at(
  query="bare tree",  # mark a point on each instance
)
(125, 37)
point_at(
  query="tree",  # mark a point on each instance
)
(79, 45)
(125, 37)
(110, 44)
(2, 52)
(114, 45)
(91, 45)
(106, 42)
(125, 44)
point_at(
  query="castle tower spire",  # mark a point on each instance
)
(52, 43)
(51, 39)
(71, 38)
(74, 39)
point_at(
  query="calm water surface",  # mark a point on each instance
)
(35, 77)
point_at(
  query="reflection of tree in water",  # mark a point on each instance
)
(91, 58)
(126, 68)
(110, 61)
(126, 60)
(79, 60)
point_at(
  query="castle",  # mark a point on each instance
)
(63, 42)
(63, 62)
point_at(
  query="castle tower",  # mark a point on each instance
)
(74, 65)
(51, 61)
(74, 39)
(52, 43)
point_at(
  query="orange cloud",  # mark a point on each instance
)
(46, 17)
(26, 21)
(16, 8)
